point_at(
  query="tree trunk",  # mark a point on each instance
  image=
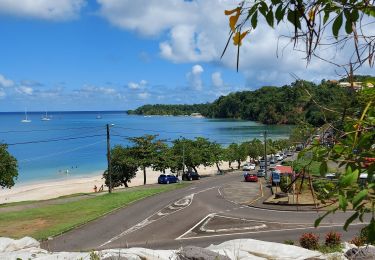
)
(218, 168)
(144, 175)
(195, 169)
(230, 164)
(239, 164)
(126, 183)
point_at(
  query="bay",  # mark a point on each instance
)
(73, 144)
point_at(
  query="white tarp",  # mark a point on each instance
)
(243, 249)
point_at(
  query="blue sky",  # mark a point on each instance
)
(120, 54)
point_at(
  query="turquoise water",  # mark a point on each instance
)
(54, 149)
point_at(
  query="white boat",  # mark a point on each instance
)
(98, 116)
(45, 117)
(26, 120)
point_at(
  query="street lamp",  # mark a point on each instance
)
(265, 151)
(109, 158)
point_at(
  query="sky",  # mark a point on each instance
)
(121, 54)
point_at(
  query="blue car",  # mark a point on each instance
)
(166, 179)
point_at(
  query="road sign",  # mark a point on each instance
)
(276, 177)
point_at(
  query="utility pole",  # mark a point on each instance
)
(109, 160)
(265, 152)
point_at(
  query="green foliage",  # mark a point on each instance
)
(310, 21)
(309, 241)
(332, 239)
(354, 143)
(123, 167)
(146, 151)
(175, 110)
(270, 105)
(8, 168)
(289, 242)
(323, 188)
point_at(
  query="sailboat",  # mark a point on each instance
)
(45, 117)
(25, 120)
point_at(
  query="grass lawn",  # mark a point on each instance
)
(50, 220)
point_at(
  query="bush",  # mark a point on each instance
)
(358, 241)
(364, 235)
(333, 239)
(309, 241)
(322, 188)
(289, 242)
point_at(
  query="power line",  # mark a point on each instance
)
(55, 140)
(59, 153)
(49, 129)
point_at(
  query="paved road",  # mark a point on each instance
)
(196, 215)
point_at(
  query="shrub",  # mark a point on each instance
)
(322, 188)
(364, 235)
(289, 242)
(358, 241)
(333, 239)
(309, 241)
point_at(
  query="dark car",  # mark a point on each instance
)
(261, 173)
(189, 176)
(166, 179)
(252, 177)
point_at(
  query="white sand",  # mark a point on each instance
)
(56, 188)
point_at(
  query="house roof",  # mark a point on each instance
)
(284, 169)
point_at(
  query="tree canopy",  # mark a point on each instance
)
(8, 168)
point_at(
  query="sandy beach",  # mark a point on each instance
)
(56, 188)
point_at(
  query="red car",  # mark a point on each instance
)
(251, 177)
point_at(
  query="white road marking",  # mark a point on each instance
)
(147, 221)
(258, 231)
(204, 229)
(181, 237)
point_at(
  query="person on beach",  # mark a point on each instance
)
(95, 188)
(101, 188)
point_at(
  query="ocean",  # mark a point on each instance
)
(73, 144)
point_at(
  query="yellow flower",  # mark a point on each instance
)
(234, 18)
(237, 38)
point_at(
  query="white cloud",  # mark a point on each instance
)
(56, 10)
(98, 90)
(134, 85)
(196, 31)
(194, 77)
(147, 17)
(6, 83)
(217, 81)
(24, 90)
(144, 95)
(2, 93)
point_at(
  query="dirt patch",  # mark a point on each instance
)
(23, 228)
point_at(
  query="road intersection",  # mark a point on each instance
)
(209, 211)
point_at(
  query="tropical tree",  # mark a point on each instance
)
(145, 151)
(163, 159)
(255, 149)
(216, 154)
(123, 167)
(8, 168)
(236, 153)
(313, 24)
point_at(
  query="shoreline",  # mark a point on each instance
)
(49, 189)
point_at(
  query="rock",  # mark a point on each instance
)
(198, 253)
(362, 253)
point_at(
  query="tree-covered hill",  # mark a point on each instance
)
(288, 104)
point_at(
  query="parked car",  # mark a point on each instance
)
(261, 173)
(248, 167)
(272, 160)
(252, 177)
(289, 153)
(189, 176)
(167, 178)
(331, 176)
(279, 157)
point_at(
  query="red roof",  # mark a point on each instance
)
(284, 169)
